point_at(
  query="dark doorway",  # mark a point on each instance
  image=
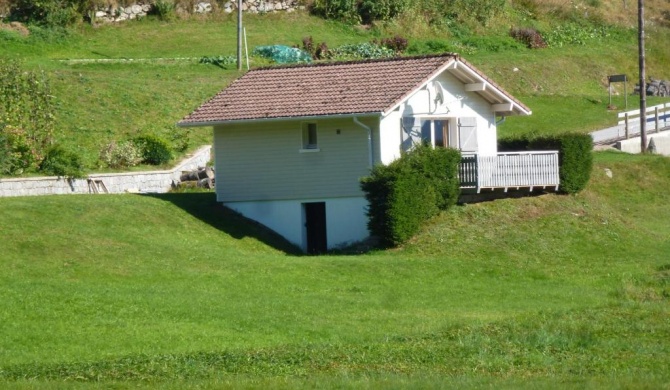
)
(315, 226)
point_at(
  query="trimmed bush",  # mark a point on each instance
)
(413, 200)
(61, 162)
(574, 156)
(407, 192)
(440, 167)
(154, 150)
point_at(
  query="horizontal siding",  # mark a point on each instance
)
(262, 161)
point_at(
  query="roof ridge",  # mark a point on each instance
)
(361, 61)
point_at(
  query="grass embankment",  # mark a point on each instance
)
(97, 103)
(149, 290)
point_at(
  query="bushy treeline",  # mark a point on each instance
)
(50, 13)
(64, 13)
(574, 155)
(365, 11)
(410, 190)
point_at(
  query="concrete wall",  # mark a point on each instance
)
(149, 181)
(660, 145)
(633, 145)
(346, 221)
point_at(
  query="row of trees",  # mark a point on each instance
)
(61, 13)
(365, 11)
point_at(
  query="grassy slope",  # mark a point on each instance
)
(554, 288)
(97, 103)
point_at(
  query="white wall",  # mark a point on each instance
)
(457, 103)
(346, 221)
(390, 137)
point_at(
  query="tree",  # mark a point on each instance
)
(26, 117)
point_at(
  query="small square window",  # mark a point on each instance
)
(309, 136)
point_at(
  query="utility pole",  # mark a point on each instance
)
(643, 77)
(239, 35)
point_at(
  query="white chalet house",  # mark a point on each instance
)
(292, 142)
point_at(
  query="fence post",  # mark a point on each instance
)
(658, 129)
(626, 119)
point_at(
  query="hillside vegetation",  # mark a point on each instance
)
(173, 291)
(144, 89)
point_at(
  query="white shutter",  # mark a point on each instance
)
(467, 129)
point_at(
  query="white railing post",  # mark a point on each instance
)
(626, 119)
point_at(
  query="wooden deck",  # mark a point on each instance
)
(515, 170)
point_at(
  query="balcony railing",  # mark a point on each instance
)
(509, 170)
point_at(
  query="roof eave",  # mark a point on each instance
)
(421, 85)
(185, 124)
(493, 86)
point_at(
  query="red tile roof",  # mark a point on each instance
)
(324, 89)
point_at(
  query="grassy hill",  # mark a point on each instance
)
(100, 102)
(173, 291)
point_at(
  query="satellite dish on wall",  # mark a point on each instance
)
(437, 93)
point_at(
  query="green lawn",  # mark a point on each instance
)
(532, 292)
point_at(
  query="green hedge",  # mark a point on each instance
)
(154, 150)
(407, 192)
(59, 161)
(574, 156)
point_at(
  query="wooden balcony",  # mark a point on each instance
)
(515, 170)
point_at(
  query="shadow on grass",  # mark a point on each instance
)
(203, 206)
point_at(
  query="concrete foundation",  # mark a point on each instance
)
(661, 144)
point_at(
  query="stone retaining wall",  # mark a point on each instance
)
(139, 9)
(116, 183)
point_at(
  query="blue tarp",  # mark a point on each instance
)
(283, 54)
